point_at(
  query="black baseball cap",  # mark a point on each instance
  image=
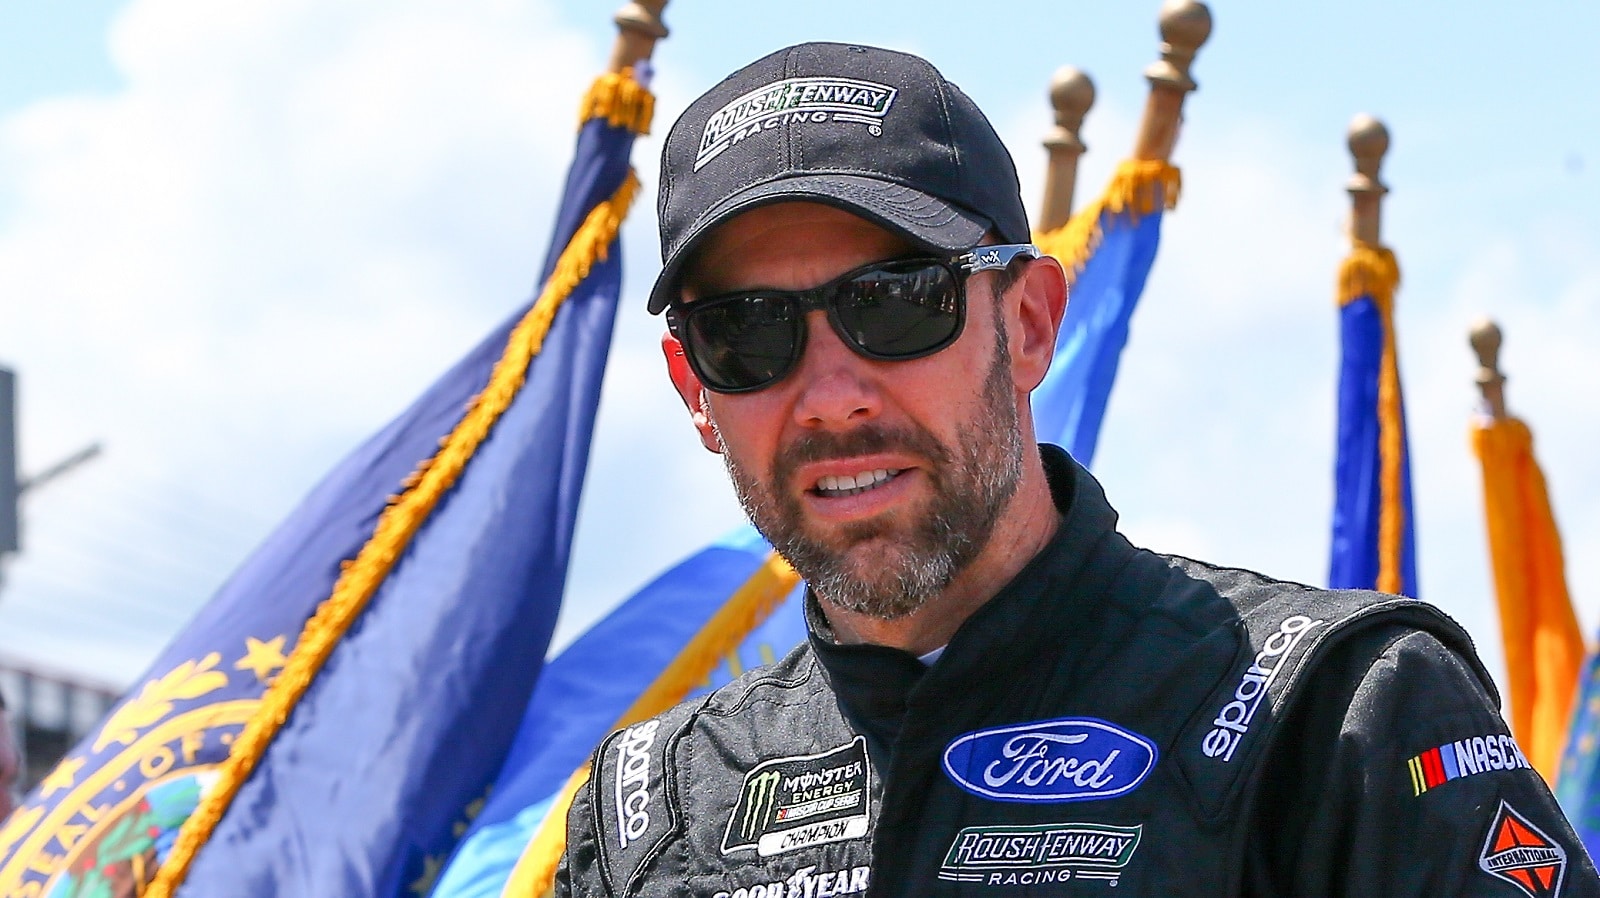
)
(877, 133)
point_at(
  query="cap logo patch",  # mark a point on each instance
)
(1517, 852)
(799, 100)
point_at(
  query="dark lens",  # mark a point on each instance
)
(900, 310)
(742, 342)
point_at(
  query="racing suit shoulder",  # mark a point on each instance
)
(1285, 630)
(1395, 774)
(630, 825)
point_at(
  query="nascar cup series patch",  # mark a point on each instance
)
(1067, 759)
(790, 803)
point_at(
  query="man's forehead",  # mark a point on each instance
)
(782, 232)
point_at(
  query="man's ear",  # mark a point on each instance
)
(690, 391)
(1042, 301)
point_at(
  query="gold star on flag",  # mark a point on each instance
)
(63, 776)
(431, 866)
(262, 657)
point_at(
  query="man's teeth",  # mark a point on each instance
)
(849, 486)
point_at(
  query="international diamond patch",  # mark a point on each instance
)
(1517, 852)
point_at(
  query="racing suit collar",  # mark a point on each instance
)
(1053, 598)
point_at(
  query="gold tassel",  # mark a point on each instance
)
(620, 100)
(1372, 271)
(535, 872)
(1139, 188)
(398, 523)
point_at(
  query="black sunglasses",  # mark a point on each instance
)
(890, 311)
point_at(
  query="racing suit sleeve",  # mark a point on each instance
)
(578, 874)
(1394, 774)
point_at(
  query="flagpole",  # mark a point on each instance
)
(1485, 338)
(1071, 95)
(1185, 25)
(639, 26)
(1368, 141)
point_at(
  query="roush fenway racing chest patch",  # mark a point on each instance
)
(790, 803)
(1519, 853)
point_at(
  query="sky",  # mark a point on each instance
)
(236, 239)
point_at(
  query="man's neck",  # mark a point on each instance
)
(1021, 534)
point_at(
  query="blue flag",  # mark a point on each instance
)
(1578, 786)
(383, 729)
(589, 688)
(1109, 246)
(1374, 546)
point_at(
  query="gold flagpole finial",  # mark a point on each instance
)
(1185, 25)
(639, 26)
(1485, 338)
(1071, 94)
(1369, 141)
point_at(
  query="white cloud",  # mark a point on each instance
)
(287, 222)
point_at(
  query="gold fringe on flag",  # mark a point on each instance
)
(620, 100)
(1139, 188)
(1372, 271)
(751, 604)
(399, 522)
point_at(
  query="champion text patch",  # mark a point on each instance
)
(1517, 852)
(790, 803)
(1453, 760)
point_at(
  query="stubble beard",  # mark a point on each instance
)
(889, 567)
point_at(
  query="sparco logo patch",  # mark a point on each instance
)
(799, 101)
(1453, 760)
(1069, 759)
(1517, 852)
(791, 803)
(633, 780)
(1233, 721)
(1031, 855)
(807, 882)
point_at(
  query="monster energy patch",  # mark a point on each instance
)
(791, 803)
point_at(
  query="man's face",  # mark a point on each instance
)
(10, 767)
(878, 480)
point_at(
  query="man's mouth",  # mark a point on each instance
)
(832, 487)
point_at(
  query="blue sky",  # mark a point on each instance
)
(235, 239)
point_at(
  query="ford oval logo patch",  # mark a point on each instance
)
(1068, 759)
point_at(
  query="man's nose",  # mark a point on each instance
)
(838, 386)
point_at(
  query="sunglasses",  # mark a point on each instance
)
(897, 310)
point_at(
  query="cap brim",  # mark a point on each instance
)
(927, 221)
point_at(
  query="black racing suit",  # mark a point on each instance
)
(1114, 723)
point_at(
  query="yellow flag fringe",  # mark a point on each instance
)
(400, 520)
(1372, 271)
(1139, 187)
(620, 100)
(751, 604)
(1544, 646)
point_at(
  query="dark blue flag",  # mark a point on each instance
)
(355, 686)
(1374, 546)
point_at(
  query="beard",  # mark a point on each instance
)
(890, 566)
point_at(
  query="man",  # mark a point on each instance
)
(1000, 694)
